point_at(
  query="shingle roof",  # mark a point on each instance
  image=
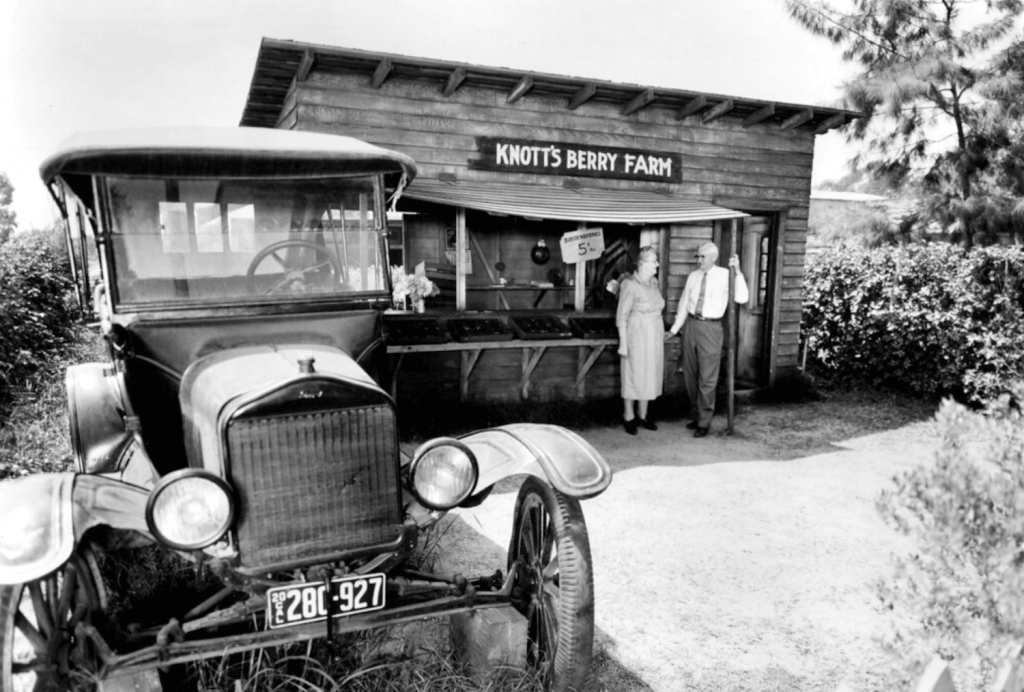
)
(280, 62)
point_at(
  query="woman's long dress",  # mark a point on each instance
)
(640, 308)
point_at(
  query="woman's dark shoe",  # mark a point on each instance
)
(700, 432)
(629, 425)
(648, 424)
(692, 425)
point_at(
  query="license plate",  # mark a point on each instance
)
(300, 603)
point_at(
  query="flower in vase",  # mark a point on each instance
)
(415, 286)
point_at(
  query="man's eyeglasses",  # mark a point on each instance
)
(700, 256)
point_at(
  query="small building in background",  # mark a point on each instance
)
(838, 215)
(535, 189)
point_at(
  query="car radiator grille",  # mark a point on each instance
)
(314, 484)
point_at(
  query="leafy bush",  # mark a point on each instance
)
(36, 319)
(34, 425)
(963, 589)
(927, 319)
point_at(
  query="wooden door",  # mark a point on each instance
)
(755, 247)
(756, 261)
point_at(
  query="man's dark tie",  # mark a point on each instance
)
(699, 312)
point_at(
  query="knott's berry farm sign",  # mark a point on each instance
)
(558, 158)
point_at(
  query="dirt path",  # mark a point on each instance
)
(717, 568)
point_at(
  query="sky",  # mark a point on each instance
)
(74, 65)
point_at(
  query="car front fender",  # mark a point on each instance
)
(550, 452)
(43, 516)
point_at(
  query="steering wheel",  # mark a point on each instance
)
(294, 279)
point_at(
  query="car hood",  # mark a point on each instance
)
(286, 379)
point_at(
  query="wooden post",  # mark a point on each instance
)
(490, 639)
(730, 366)
(461, 246)
(936, 678)
(145, 681)
(1010, 677)
(580, 294)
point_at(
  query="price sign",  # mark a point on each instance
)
(580, 246)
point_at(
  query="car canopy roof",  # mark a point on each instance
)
(238, 152)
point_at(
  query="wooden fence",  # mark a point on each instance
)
(936, 677)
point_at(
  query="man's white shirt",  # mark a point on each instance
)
(716, 292)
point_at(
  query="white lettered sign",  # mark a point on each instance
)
(580, 246)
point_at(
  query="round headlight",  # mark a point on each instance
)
(190, 509)
(443, 473)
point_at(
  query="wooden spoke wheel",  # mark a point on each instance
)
(38, 644)
(553, 584)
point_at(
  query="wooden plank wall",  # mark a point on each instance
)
(432, 379)
(721, 159)
(761, 169)
(683, 241)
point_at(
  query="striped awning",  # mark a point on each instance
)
(567, 204)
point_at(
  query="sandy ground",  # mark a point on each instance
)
(716, 569)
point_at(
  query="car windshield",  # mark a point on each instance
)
(202, 242)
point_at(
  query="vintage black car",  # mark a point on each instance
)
(243, 424)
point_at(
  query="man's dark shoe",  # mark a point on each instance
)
(692, 425)
(630, 426)
(648, 424)
(700, 432)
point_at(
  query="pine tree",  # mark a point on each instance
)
(942, 84)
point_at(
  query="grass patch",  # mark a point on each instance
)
(790, 429)
(413, 657)
(34, 424)
(150, 584)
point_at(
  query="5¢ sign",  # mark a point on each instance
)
(580, 246)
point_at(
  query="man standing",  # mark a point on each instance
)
(701, 308)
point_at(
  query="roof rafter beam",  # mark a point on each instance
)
(718, 111)
(642, 100)
(305, 65)
(455, 80)
(584, 94)
(520, 89)
(837, 120)
(797, 119)
(281, 64)
(380, 75)
(692, 106)
(762, 113)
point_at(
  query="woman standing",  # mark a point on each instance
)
(641, 340)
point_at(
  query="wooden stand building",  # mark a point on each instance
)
(515, 167)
